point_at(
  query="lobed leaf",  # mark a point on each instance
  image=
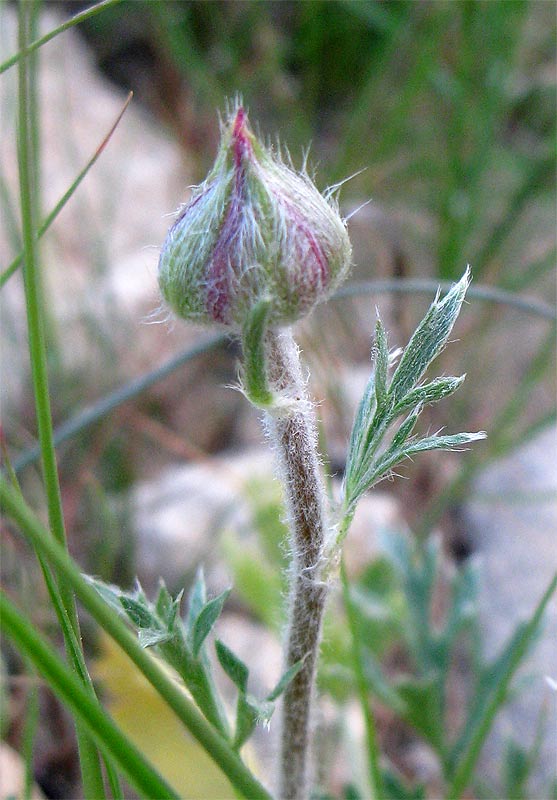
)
(428, 340)
(428, 393)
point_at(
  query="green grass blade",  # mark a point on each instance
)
(89, 760)
(71, 642)
(30, 729)
(215, 745)
(71, 691)
(49, 219)
(483, 714)
(32, 46)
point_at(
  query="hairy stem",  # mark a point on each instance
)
(293, 429)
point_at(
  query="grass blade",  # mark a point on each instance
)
(49, 219)
(93, 785)
(72, 692)
(32, 46)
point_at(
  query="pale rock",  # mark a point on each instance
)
(513, 522)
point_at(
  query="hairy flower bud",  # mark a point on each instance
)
(254, 231)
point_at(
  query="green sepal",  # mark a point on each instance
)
(255, 383)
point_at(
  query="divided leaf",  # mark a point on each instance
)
(369, 460)
(138, 612)
(249, 710)
(429, 339)
(149, 638)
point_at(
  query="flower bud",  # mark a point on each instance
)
(254, 231)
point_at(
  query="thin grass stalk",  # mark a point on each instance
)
(32, 46)
(90, 764)
(30, 728)
(51, 216)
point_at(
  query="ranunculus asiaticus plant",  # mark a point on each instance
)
(255, 249)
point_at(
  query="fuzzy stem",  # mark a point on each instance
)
(293, 429)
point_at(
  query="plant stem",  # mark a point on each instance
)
(293, 429)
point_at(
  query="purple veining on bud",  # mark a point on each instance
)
(255, 229)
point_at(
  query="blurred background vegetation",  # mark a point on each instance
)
(444, 112)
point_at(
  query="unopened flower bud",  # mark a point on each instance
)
(254, 231)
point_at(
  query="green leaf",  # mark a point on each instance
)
(164, 602)
(234, 667)
(167, 607)
(428, 340)
(109, 593)
(428, 393)
(382, 467)
(248, 713)
(405, 429)
(149, 637)
(381, 357)
(423, 708)
(205, 621)
(197, 599)
(287, 678)
(138, 612)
